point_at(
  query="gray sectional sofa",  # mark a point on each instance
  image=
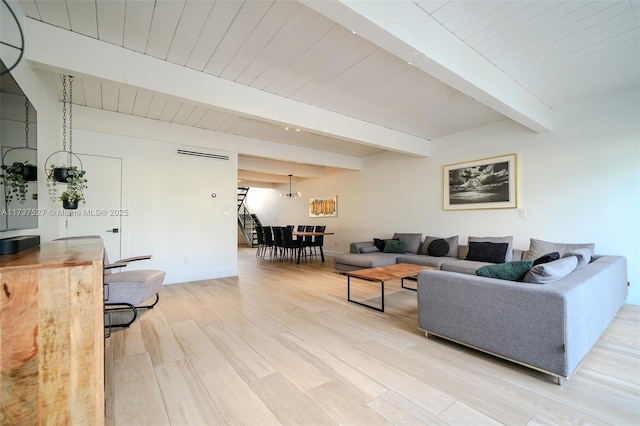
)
(548, 319)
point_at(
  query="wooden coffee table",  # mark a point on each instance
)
(384, 273)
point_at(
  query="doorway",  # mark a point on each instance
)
(102, 213)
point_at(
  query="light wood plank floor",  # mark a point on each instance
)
(281, 345)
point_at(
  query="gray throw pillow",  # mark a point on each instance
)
(583, 255)
(451, 241)
(539, 248)
(411, 241)
(369, 249)
(509, 240)
(552, 271)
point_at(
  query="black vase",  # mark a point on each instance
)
(60, 174)
(30, 173)
(70, 205)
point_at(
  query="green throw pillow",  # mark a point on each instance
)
(512, 271)
(393, 246)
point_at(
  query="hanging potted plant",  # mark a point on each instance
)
(15, 178)
(76, 183)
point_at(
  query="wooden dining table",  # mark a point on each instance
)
(309, 234)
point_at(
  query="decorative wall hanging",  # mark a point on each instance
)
(323, 207)
(66, 173)
(489, 183)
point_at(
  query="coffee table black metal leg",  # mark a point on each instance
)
(408, 288)
(381, 309)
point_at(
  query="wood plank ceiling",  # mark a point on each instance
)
(558, 51)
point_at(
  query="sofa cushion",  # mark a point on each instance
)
(422, 259)
(451, 241)
(551, 271)
(549, 257)
(538, 248)
(484, 251)
(393, 246)
(512, 271)
(583, 255)
(369, 249)
(463, 266)
(508, 240)
(379, 243)
(411, 241)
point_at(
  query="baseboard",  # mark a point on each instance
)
(199, 276)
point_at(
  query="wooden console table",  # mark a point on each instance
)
(52, 334)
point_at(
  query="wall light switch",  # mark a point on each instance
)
(522, 213)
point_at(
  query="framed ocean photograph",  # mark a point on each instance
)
(489, 183)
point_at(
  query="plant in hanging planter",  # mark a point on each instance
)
(56, 175)
(15, 178)
(76, 184)
(70, 200)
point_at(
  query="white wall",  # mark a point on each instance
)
(172, 214)
(578, 183)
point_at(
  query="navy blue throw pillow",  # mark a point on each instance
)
(549, 257)
(487, 252)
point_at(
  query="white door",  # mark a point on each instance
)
(102, 212)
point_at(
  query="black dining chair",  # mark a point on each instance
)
(277, 242)
(260, 236)
(308, 240)
(267, 234)
(289, 246)
(318, 240)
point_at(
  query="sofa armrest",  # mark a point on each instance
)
(594, 295)
(355, 247)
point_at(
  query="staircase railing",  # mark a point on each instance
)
(247, 223)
